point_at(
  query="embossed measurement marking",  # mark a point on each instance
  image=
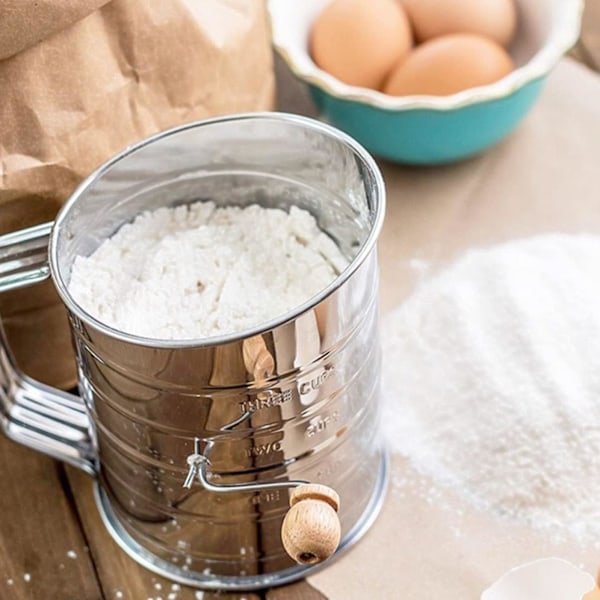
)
(263, 449)
(320, 424)
(266, 497)
(268, 400)
(316, 382)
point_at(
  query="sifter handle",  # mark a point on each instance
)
(36, 415)
(24, 257)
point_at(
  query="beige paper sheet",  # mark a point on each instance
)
(545, 177)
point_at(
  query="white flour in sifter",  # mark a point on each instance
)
(197, 270)
(492, 379)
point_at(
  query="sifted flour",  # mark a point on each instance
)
(492, 378)
(197, 270)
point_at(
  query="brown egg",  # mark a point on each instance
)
(360, 41)
(496, 19)
(449, 64)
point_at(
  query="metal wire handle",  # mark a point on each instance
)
(199, 464)
(34, 414)
(24, 257)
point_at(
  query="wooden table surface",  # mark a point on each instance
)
(52, 543)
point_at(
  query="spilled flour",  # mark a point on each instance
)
(492, 376)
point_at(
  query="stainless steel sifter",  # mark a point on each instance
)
(196, 444)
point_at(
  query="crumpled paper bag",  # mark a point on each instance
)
(81, 80)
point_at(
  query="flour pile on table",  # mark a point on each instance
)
(492, 377)
(197, 270)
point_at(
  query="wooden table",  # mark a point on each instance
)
(52, 543)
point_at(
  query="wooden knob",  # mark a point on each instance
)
(311, 529)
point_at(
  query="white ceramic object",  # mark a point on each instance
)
(545, 579)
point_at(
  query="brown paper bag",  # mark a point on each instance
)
(82, 79)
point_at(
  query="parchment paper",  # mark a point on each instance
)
(428, 542)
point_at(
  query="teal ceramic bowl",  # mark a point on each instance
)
(432, 129)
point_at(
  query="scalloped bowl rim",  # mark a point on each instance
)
(565, 31)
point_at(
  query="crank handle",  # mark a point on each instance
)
(311, 529)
